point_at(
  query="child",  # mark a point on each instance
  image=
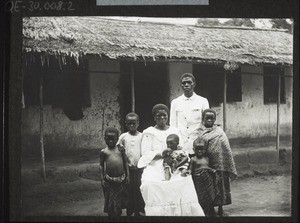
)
(203, 177)
(173, 156)
(220, 157)
(131, 143)
(114, 174)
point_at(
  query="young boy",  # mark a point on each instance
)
(220, 158)
(131, 143)
(114, 174)
(173, 156)
(203, 177)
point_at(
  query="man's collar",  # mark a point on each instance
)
(190, 98)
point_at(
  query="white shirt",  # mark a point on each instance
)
(186, 115)
(132, 145)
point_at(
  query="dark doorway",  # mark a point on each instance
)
(151, 87)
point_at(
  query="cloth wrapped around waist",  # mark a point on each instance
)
(199, 171)
(118, 179)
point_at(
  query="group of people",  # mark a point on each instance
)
(179, 170)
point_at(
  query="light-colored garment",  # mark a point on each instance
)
(154, 142)
(176, 197)
(186, 115)
(132, 145)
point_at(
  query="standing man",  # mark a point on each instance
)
(186, 112)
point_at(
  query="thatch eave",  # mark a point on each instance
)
(218, 61)
(111, 39)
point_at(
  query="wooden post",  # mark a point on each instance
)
(42, 129)
(132, 88)
(224, 100)
(278, 112)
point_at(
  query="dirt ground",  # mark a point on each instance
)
(261, 196)
(252, 196)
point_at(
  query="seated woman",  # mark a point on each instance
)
(175, 197)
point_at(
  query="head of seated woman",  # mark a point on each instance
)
(160, 113)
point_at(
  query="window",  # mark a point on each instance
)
(210, 83)
(61, 87)
(271, 85)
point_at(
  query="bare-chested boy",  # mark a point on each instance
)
(114, 174)
(203, 177)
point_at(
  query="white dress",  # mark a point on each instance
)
(176, 197)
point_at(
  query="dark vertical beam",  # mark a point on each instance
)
(42, 129)
(132, 88)
(224, 101)
(13, 53)
(278, 111)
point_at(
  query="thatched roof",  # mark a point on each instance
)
(78, 36)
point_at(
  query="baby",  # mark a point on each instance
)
(174, 157)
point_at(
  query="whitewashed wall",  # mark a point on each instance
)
(60, 133)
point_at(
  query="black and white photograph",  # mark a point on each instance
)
(139, 116)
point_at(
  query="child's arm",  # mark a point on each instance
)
(102, 169)
(126, 166)
(121, 143)
(168, 160)
(121, 148)
(187, 171)
(121, 140)
(127, 171)
(182, 162)
(191, 166)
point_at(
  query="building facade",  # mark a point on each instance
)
(110, 99)
(94, 71)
